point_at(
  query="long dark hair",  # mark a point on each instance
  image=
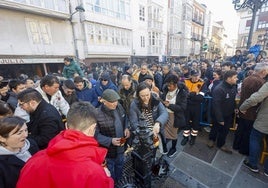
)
(143, 85)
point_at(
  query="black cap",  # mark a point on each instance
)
(148, 76)
(194, 73)
(105, 76)
(69, 84)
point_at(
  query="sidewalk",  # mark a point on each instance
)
(199, 167)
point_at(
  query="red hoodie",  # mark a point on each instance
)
(71, 160)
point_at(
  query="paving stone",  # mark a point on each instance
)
(258, 176)
(204, 173)
(228, 163)
(200, 149)
(246, 180)
(171, 183)
(185, 179)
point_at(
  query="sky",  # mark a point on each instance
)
(224, 10)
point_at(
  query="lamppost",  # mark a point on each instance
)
(77, 9)
(254, 5)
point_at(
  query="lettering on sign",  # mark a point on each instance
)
(11, 61)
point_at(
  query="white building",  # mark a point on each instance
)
(35, 36)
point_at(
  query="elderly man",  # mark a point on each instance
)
(250, 85)
(127, 90)
(260, 128)
(112, 131)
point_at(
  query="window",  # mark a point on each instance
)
(35, 2)
(49, 4)
(20, 1)
(117, 37)
(142, 13)
(97, 6)
(38, 31)
(112, 36)
(91, 33)
(62, 5)
(244, 41)
(98, 34)
(45, 33)
(105, 35)
(142, 41)
(34, 32)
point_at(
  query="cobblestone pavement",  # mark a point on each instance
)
(198, 166)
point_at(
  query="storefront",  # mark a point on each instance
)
(14, 67)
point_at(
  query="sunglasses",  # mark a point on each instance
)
(103, 79)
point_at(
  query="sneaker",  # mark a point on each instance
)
(192, 140)
(184, 141)
(210, 144)
(250, 167)
(207, 129)
(172, 152)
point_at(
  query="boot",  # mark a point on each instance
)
(184, 140)
(192, 140)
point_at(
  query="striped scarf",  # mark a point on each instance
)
(148, 117)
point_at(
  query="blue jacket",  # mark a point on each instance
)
(99, 88)
(87, 94)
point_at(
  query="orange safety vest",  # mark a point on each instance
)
(194, 86)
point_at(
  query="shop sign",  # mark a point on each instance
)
(30, 61)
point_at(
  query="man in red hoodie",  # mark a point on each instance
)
(72, 159)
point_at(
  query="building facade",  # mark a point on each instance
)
(260, 30)
(35, 37)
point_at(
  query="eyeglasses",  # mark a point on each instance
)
(21, 103)
(103, 79)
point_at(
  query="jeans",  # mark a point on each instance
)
(255, 148)
(115, 165)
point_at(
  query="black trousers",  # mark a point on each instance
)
(219, 132)
(242, 133)
(193, 117)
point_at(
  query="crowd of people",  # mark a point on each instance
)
(72, 131)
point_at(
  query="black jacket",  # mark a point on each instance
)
(223, 101)
(180, 106)
(10, 167)
(45, 123)
(107, 128)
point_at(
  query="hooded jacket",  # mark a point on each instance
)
(72, 160)
(11, 163)
(87, 94)
(69, 70)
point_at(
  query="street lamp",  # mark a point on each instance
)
(79, 8)
(254, 5)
